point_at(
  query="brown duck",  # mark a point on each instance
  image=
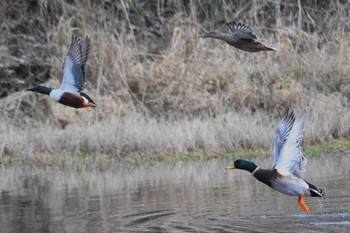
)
(241, 37)
(288, 162)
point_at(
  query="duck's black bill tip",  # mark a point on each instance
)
(30, 89)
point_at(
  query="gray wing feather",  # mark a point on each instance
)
(282, 132)
(85, 46)
(241, 31)
(73, 68)
(291, 159)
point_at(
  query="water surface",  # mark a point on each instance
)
(163, 197)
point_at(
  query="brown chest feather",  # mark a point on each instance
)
(267, 175)
(72, 100)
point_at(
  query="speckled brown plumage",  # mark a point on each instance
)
(241, 37)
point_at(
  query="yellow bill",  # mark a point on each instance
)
(232, 166)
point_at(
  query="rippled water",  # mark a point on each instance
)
(189, 197)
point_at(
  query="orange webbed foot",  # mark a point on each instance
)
(302, 204)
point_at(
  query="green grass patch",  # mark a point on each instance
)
(12, 160)
(182, 158)
(189, 157)
(5, 162)
(331, 147)
(234, 156)
(315, 150)
(339, 145)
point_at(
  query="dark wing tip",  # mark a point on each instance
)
(79, 52)
(87, 39)
(241, 31)
(84, 48)
(288, 114)
(75, 49)
(231, 25)
(75, 40)
(285, 124)
(238, 26)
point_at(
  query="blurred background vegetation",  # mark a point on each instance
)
(160, 88)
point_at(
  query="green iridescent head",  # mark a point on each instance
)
(41, 89)
(242, 164)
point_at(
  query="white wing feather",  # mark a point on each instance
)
(282, 132)
(68, 82)
(291, 159)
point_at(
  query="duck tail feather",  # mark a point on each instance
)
(314, 191)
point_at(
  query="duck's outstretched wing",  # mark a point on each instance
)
(282, 132)
(241, 31)
(85, 46)
(73, 68)
(291, 159)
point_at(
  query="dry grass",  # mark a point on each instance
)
(161, 89)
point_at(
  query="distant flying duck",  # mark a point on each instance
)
(288, 162)
(73, 81)
(241, 37)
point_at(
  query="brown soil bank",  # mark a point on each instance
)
(162, 89)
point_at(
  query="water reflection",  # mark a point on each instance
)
(199, 196)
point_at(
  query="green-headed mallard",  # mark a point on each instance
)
(73, 81)
(241, 37)
(288, 162)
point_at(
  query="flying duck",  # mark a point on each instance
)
(288, 162)
(70, 92)
(241, 37)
